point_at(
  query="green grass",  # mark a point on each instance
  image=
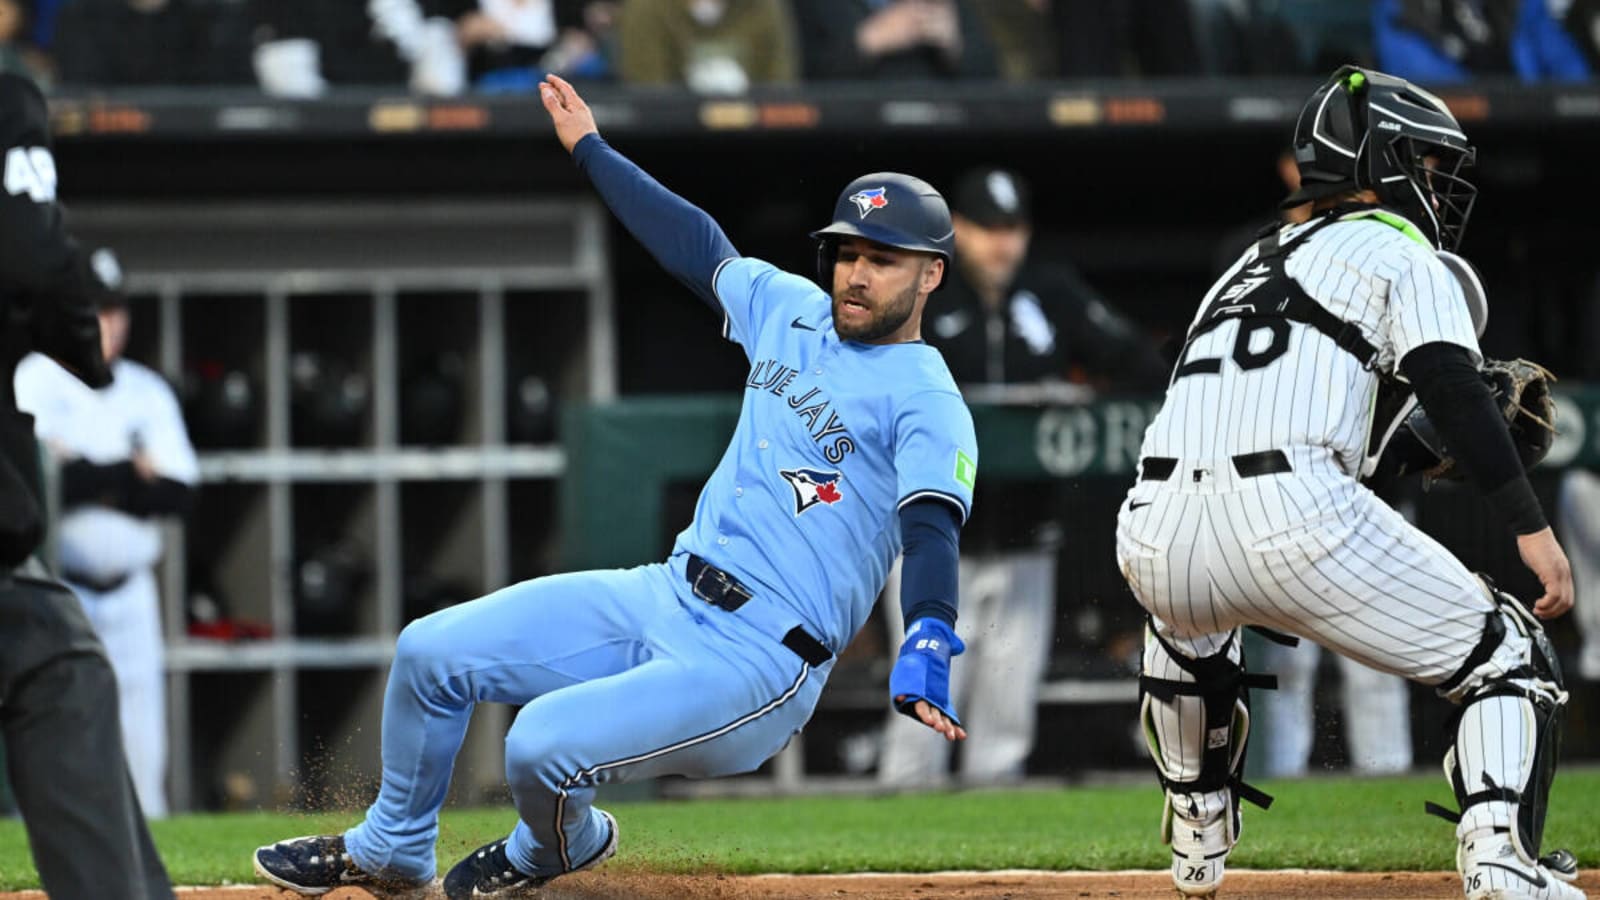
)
(1370, 824)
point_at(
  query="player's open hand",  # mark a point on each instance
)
(930, 716)
(1544, 556)
(1549, 562)
(567, 110)
(919, 684)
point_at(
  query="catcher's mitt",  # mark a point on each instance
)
(1521, 392)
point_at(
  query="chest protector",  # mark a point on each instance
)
(1263, 292)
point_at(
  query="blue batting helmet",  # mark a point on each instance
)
(892, 209)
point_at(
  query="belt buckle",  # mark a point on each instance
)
(700, 591)
(723, 588)
(737, 591)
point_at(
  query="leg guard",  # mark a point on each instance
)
(1507, 731)
(1196, 718)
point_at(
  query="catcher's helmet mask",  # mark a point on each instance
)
(891, 209)
(1363, 129)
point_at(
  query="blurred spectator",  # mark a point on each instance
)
(1024, 37)
(1578, 518)
(118, 43)
(42, 22)
(17, 51)
(1452, 41)
(1129, 37)
(1582, 21)
(511, 44)
(1280, 37)
(713, 46)
(1006, 323)
(894, 39)
(303, 46)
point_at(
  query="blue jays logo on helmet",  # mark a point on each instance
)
(812, 486)
(868, 200)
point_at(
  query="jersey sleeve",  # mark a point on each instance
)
(936, 450)
(161, 432)
(39, 384)
(1426, 305)
(751, 292)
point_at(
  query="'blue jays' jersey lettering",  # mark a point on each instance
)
(812, 406)
(833, 438)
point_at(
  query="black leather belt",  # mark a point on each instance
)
(1248, 465)
(724, 591)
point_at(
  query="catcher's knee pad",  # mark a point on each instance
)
(1199, 750)
(1518, 673)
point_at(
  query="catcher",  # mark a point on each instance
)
(1294, 383)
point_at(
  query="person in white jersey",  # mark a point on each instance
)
(1248, 509)
(126, 463)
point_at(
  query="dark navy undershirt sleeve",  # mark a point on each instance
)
(930, 530)
(686, 241)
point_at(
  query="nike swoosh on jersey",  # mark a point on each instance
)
(1537, 881)
(799, 324)
(1133, 506)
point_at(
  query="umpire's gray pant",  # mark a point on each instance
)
(58, 717)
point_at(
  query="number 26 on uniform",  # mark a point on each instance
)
(1249, 352)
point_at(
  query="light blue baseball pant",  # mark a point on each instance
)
(621, 675)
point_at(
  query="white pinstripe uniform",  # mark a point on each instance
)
(1305, 552)
(1310, 551)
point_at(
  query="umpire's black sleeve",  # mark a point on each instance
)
(43, 273)
(1459, 405)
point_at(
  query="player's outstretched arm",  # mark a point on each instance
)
(919, 686)
(683, 239)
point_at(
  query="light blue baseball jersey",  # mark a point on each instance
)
(833, 438)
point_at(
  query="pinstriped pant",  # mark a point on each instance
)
(1309, 552)
(1313, 553)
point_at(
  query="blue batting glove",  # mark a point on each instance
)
(923, 670)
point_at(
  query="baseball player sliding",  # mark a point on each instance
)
(852, 444)
(1248, 511)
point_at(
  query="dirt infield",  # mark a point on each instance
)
(1241, 885)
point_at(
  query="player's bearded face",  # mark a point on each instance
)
(875, 289)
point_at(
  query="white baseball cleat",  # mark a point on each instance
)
(1199, 855)
(1492, 870)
